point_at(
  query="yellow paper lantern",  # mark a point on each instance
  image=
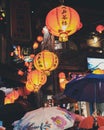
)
(8, 100)
(63, 21)
(35, 80)
(37, 77)
(29, 86)
(46, 61)
(35, 45)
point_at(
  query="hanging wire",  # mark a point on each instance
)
(61, 2)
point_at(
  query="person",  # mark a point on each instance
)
(10, 113)
(95, 123)
(14, 111)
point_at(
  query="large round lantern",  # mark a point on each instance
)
(46, 61)
(63, 21)
(35, 80)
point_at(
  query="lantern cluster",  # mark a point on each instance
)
(44, 62)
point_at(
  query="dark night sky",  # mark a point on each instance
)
(92, 4)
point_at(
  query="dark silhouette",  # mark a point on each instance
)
(10, 113)
(14, 111)
(2, 96)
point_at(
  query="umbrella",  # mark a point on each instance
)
(50, 118)
(88, 88)
(88, 122)
(101, 128)
(61, 99)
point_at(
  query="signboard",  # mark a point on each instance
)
(20, 23)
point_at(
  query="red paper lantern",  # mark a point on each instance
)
(63, 21)
(100, 28)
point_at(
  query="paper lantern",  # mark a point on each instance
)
(29, 86)
(100, 28)
(62, 75)
(63, 21)
(35, 45)
(13, 95)
(46, 61)
(39, 38)
(20, 72)
(62, 80)
(35, 80)
(8, 100)
(37, 77)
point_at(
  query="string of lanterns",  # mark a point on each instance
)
(66, 22)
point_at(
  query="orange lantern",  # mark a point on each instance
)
(39, 38)
(62, 75)
(66, 22)
(35, 80)
(100, 28)
(46, 61)
(62, 80)
(20, 72)
(8, 100)
(13, 95)
(35, 45)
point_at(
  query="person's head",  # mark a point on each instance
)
(98, 112)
